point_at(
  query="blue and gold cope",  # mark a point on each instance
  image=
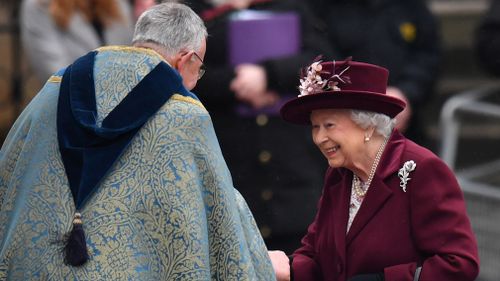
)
(165, 210)
(88, 151)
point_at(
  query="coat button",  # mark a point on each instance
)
(266, 194)
(261, 120)
(264, 156)
(265, 231)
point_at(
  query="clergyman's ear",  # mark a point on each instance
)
(181, 59)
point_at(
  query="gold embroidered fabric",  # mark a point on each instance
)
(167, 210)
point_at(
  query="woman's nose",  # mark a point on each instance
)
(319, 136)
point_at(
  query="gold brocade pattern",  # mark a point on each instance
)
(109, 93)
(166, 210)
(54, 79)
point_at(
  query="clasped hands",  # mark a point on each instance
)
(250, 86)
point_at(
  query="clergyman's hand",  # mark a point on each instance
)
(281, 265)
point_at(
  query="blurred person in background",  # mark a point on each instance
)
(114, 172)
(56, 32)
(488, 39)
(261, 151)
(390, 209)
(401, 36)
(142, 5)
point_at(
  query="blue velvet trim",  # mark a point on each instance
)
(89, 151)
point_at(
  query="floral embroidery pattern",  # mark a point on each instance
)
(404, 173)
(142, 223)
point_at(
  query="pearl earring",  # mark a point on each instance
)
(367, 138)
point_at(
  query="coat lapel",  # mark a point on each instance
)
(376, 197)
(379, 191)
(341, 207)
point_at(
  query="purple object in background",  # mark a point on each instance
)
(258, 35)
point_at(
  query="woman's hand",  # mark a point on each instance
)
(281, 265)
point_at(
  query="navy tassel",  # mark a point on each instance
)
(75, 250)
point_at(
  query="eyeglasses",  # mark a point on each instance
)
(202, 69)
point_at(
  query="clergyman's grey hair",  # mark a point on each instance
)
(174, 26)
(383, 124)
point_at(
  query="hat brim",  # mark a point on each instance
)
(298, 110)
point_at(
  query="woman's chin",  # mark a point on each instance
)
(334, 163)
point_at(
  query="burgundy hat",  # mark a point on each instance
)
(341, 84)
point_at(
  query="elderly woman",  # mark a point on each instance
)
(390, 209)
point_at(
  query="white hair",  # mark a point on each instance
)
(173, 26)
(383, 124)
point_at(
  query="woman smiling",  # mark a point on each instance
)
(391, 209)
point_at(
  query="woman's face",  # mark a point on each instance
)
(339, 139)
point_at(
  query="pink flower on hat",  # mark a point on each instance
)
(343, 84)
(313, 83)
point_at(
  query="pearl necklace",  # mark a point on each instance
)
(361, 189)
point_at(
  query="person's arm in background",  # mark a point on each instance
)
(282, 73)
(277, 76)
(213, 89)
(488, 39)
(40, 40)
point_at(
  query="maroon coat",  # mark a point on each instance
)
(394, 231)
